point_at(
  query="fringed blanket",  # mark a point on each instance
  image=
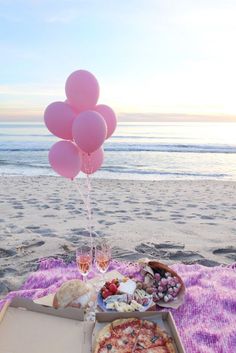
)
(206, 321)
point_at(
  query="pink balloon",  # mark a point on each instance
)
(91, 162)
(76, 111)
(109, 117)
(89, 131)
(64, 159)
(82, 90)
(59, 117)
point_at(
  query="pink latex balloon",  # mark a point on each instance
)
(91, 162)
(64, 159)
(82, 90)
(73, 108)
(109, 117)
(89, 131)
(59, 117)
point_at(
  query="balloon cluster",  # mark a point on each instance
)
(83, 125)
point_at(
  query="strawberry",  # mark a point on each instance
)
(106, 293)
(112, 288)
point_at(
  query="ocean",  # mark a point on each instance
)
(144, 151)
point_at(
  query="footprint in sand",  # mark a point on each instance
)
(6, 252)
(6, 271)
(42, 231)
(229, 252)
(169, 245)
(28, 245)
(119, 253)
(166, 251)
(84, 233)
(106, 223)
(207, 217)
(189, 256)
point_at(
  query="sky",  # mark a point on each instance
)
(152, 58)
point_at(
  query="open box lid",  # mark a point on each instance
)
(163, 319)
(27, 327)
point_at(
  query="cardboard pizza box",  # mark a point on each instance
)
(163, 319)
(26, 327)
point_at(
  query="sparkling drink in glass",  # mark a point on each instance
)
(84, 260)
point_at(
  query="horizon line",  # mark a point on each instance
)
(139, 117)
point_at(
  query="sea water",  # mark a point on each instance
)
(137, 150)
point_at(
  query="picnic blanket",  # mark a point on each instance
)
(206, 321)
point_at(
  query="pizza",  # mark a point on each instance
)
(133, 336)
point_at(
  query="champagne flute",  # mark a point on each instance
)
(84, 260)
(102, 257)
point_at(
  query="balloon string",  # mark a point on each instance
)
(84, 198)
(87, 202)
(89, 187)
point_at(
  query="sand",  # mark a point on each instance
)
(172, 221)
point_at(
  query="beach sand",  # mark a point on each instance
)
(172, 221)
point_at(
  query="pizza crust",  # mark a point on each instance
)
(104, 332)
(171, 348)
(119, 322)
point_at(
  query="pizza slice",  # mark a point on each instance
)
(151, 336)
(128, 327)
(118, 337)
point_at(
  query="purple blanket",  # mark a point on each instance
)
(206, 321)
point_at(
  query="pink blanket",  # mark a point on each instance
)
(207, 319)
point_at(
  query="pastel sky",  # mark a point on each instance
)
(163, 57)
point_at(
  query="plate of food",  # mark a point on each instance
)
(122, 295)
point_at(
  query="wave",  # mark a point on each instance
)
(173, 148)
(120, 169)
(169, 148)
(114, 169)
